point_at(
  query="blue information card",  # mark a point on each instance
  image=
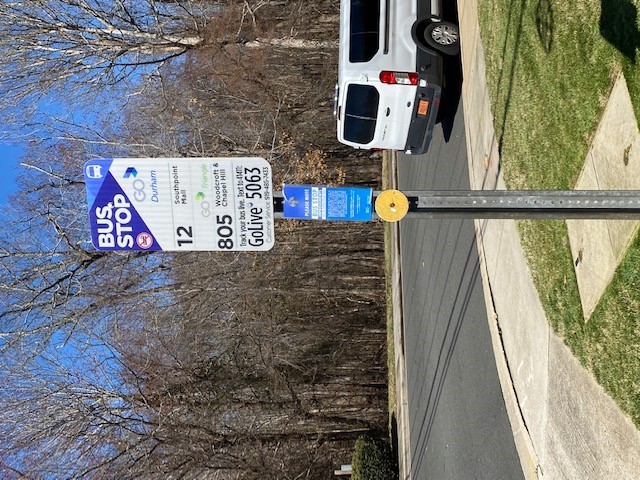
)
(311, 202)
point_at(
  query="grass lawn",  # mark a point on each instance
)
(550, 67)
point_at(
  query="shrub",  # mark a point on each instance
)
(373, 460)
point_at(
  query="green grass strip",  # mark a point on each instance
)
(550, 69)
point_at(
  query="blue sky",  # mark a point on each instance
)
(9, 161)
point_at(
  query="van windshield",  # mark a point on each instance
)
(364, 33)
(361, 113)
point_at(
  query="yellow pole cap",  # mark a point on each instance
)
(392, 205)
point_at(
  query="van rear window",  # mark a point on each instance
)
(364, 33)
(361, 113)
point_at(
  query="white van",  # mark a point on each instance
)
(390, 72)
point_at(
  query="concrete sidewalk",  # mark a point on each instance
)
(613, 162)
(564, 424)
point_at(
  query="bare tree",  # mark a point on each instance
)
(52, 281)
(152, 397)
(196, 365)
(91, 44)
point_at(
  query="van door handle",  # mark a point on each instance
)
(387, 112)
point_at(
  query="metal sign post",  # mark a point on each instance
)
(524, 204)
(393, 205)
(228, 204)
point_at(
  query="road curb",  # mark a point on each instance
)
(529, 460)
(483, 163)
(402, 407)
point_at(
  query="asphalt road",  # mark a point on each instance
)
(459, 427)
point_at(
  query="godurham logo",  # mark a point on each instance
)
(113, 223)
(130, 172)
(140, 187)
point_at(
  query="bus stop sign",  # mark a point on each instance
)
(180, 204)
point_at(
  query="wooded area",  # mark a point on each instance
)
(200, 365)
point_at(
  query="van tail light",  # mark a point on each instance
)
(399, 78)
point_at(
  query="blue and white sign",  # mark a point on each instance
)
(221, 204)
(309, 202)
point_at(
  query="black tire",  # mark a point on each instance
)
(444, 37)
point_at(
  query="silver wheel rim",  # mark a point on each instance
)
(444, 34)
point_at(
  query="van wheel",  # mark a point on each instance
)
(443, 36)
